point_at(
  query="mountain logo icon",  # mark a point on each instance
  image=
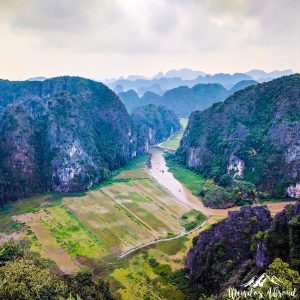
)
(256, 281)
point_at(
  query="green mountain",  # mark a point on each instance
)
(241, 85)
(153, 124)
(184, 100)
(63, 134)
(150, 98)
(254, 136)
(130, 99)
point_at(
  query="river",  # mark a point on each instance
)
(159, 170)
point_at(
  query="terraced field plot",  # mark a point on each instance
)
(150, 273)
(96, 227)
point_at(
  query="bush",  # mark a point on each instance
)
(219, 197)
(225, 180)
(191, 219)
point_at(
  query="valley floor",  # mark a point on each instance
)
(96, 227)
(151, 273)
(116, 228)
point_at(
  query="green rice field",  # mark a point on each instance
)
(154, 272)
(174, 142)
(94, 228)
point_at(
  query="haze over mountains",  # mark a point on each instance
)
(176, 89)
(174, 78)
(184, 100)
(150, 150)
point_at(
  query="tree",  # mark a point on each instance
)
(26, 278)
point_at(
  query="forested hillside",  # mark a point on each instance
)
(253, 136)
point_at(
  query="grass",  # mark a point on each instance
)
(274, 200)
(174, 142)
(135, 163)
(191, 219)
(149, 273)
(71, 234)
(22, 207)
(192, 180)
(96, 226)
(173, 247)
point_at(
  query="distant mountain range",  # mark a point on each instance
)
(260, 75)
(162, 82)
(183, 100)
(185, 74)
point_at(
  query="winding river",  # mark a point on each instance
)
(159, 170)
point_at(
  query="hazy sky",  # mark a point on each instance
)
(108, 38)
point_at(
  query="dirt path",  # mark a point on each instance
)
(160, 172)
(162, 240)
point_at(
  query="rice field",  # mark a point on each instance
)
(174, 142)
(96, 227)
(151, 273)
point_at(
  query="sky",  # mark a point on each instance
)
(102, 39)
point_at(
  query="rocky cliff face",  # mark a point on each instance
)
(243, 245)
(63, 134)
(253, 135)
(153, 124)
(282, 239)
(221, 251)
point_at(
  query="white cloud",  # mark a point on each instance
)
(103, 38)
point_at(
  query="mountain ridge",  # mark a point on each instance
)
(239, 136)
(63, 134)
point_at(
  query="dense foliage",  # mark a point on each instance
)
(191, 219)
(283, 238)
(62, 134)
(253, 135)
(232, 251)
(225, 193)
(153, 124)
(228, 193)
(288, 279)
(24, 276)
